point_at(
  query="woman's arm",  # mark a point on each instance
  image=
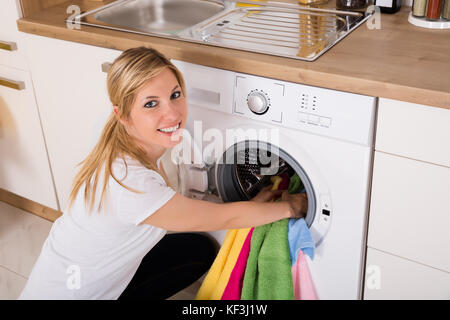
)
(184, 214)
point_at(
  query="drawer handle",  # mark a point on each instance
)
(10, 46)
(106, 66)
(18, 85)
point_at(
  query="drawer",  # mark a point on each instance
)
(12, 52)
(24, 165)
(391, 277)
(410, 211)
(414, 131)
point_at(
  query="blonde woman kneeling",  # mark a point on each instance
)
(111, 242)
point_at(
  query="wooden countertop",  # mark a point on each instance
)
(399, 61)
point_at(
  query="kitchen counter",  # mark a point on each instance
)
(399, 61)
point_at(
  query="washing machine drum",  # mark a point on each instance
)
(247, 167)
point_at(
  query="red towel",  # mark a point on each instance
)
(234, 286)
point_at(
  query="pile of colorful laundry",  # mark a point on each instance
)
(268, 262)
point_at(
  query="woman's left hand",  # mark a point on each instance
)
(266, 194)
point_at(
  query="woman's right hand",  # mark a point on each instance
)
(298, 203)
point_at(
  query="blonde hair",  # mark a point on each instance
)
(127, 74)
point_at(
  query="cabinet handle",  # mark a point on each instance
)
(10, 46)
(106, 66)
(18, 85)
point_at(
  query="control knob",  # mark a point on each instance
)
(258, 101)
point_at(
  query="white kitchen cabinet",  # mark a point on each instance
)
(71, 92)
(12, 51)
(414, 131)
(409, 217)
(391, 277)
(24, 166)
(409, 211)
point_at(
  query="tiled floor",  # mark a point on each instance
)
(22, 235)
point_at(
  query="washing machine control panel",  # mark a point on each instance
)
(326, 112)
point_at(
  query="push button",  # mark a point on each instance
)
(302, 117)
(313, 119)
(325, 122)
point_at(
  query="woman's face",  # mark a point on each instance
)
(158, 114)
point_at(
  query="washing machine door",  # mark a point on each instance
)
(187, 171)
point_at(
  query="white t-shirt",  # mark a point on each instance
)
(94, 256)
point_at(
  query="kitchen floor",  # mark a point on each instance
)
(22, 235)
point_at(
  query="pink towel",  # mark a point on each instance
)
(234, 287)
(303, 285)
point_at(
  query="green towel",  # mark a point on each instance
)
(268, 274)
(251, 270)
(295, 184)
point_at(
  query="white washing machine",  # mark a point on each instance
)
(324, 136)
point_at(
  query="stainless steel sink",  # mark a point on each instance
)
(164, 17)
(281, 29)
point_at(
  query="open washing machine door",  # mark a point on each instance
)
(187, 171)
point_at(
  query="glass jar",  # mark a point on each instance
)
(419, 8)
(446, 10)
(434, 9)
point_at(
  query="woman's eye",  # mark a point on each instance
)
(175, 95)
(151, 104)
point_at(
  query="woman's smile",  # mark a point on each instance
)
(170, 129)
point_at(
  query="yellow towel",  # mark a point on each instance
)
(218, 276)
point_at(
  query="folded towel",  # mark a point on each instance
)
(234, 287)
(211, 279)
(218, 276)
(298, 232)
(268, 275)
(285, 181)
(251, 270)
(299, 238)
(295, 184)
(303, 285)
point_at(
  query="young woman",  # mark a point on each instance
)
(111, 242)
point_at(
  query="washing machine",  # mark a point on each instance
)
(243, 129)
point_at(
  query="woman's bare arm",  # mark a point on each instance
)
(184, 214)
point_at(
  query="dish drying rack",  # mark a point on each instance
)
(288, 30)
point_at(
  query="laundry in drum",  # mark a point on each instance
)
(254, 172)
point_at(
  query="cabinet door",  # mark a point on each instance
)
(24, 166)
(11, 46)
(409, 211)
(72, 98)
(414, 131)
(391, 277)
